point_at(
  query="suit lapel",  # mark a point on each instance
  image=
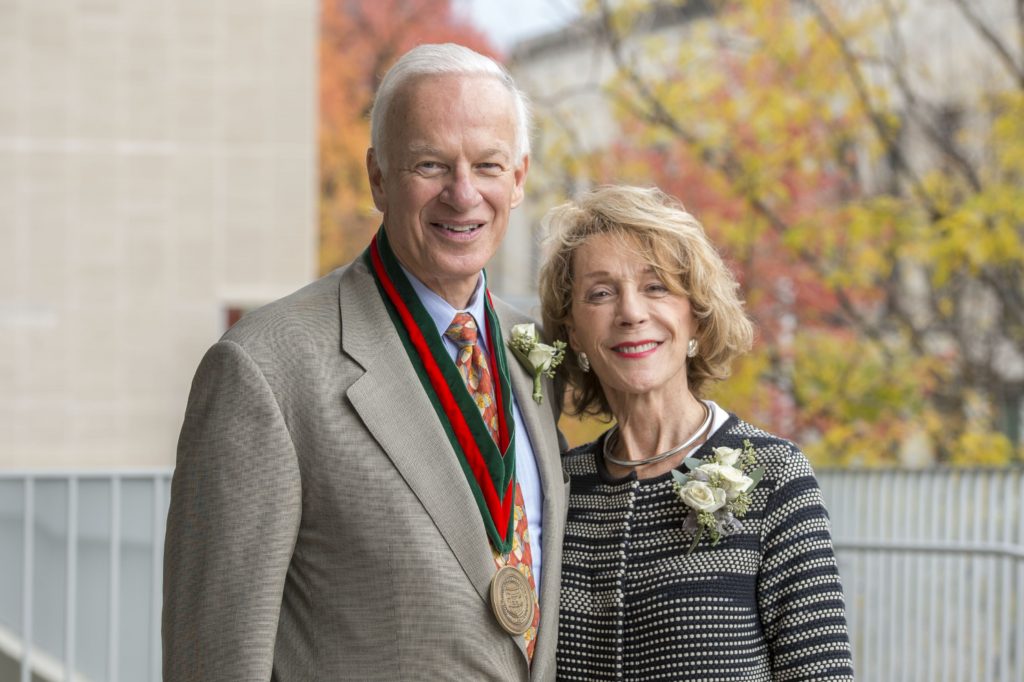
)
(539, 419)
(419, 448)
(406, 426)
(540, 423)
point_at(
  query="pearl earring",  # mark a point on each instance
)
(691, 348)
(583, 361)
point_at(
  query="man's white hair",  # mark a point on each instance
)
(438, 59)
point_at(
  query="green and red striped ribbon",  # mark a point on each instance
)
(489, 467)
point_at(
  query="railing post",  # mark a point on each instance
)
(71, 579)
(155, 652)
(113, 652)
(28, 570)
(1019, 649)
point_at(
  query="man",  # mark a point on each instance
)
(344, 496)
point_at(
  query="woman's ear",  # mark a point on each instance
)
(574, 343)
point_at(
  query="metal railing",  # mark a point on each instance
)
(932, 565)
(80, 581)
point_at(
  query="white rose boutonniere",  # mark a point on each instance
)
(702, 497)
(540, 359)
(733, 481)
(727, 456)
(718, 492)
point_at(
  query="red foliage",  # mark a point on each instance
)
(359, 41)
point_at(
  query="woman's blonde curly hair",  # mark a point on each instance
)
(656, 228)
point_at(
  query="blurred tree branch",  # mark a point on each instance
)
(779, 122)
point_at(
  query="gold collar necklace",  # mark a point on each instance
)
(612, 439)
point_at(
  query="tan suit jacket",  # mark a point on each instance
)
(320, 527)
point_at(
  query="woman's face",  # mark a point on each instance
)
(632, 328)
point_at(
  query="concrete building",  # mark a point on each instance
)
(157, 178)
(157, 175)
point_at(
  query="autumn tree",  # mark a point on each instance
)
(359, 40)
(873, 207)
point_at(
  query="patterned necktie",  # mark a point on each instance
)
(473, 367)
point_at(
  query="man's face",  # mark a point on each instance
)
(451, 178)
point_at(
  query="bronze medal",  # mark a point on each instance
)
(512, 600)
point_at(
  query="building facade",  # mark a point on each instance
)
(158, 165)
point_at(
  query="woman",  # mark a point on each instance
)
(701, 574)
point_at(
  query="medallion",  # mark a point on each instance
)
(512, 600)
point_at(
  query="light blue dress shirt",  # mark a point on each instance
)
(442, 313)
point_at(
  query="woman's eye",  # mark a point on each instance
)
(598, 295)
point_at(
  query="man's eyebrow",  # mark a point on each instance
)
(496, 151)
(424, 149)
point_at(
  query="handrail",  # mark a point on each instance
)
(74, 535)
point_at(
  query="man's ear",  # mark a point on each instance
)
(376, 177)
(520, 176)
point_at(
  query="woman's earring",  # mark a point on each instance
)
(584, 361)
(691, 348)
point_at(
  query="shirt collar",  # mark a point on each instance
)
(442, 312)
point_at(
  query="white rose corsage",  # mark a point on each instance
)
(540, 359)
(717, 491)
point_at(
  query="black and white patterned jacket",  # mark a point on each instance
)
(764, 604)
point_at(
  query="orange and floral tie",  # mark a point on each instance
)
(472, 365)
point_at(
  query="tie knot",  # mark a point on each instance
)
(462, 330)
